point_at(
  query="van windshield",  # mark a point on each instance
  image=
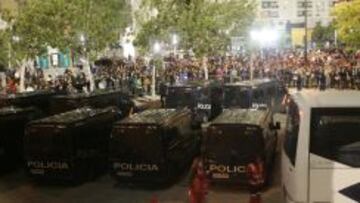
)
(336, 136)
(180, 97)
(236, 96)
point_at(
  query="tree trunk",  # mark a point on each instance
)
(23, 66)
(204, 65)
(90, 75)
(3, 81)
(153, 82)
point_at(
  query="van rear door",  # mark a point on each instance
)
(229, 148)
(136, 151)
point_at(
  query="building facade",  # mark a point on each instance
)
(288, 16)
(282, 12)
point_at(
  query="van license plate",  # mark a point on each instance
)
(220, 176)
(124, 174)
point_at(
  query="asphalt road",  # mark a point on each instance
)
(17, 188)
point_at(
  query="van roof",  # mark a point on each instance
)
(329, 98)
(241, 116)
(74, 116)
(154, 116)
(11, 110)
(251, 83)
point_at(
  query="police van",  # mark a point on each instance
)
(96, 99)
(152, 146)
(180, 96)
(202, 98)
(12, 125)
(69, 147)
(39, 99)
(209, 104)
(321, 149)
(244, 94)
(237, 138)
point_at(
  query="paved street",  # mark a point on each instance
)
(16, 188)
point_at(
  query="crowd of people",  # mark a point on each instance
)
(321, 69)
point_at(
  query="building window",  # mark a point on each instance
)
(274, 14)
(302, 4)
(301, 13)
(270, 14)
(269, 4)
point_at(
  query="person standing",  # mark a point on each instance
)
(255, 174)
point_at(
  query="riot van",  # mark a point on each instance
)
(180, 96)
(236, 139)
(204, 99)
(69, 147)
(152, 146)
(12, 125)
(39, 99)
(96, 99)
(247, 93)
(208, 104)
(143, 103)
(237, 95)
(321, 149)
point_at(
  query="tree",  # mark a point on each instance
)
(3, 51)
(347, 22)
(203, 26)
(323, 34)
(60, 23)
(8, 41)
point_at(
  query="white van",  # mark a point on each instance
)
(321, 149)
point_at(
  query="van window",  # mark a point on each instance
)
(335, 135)
(292, 131)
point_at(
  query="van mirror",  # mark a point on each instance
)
(275, 126)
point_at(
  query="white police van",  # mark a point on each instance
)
(321, 149)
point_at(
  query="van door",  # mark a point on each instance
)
(335, 155)
(290, 146)
(229, 148)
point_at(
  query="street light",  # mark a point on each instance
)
(174, 39)
(157, 48)
(266, 38)
(82, 38)
(16, 38)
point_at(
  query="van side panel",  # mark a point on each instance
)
(295, 176)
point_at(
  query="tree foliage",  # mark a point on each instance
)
(3, 51)
(203, 25)
(323, 34)
(347, 22)
(60, 23)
